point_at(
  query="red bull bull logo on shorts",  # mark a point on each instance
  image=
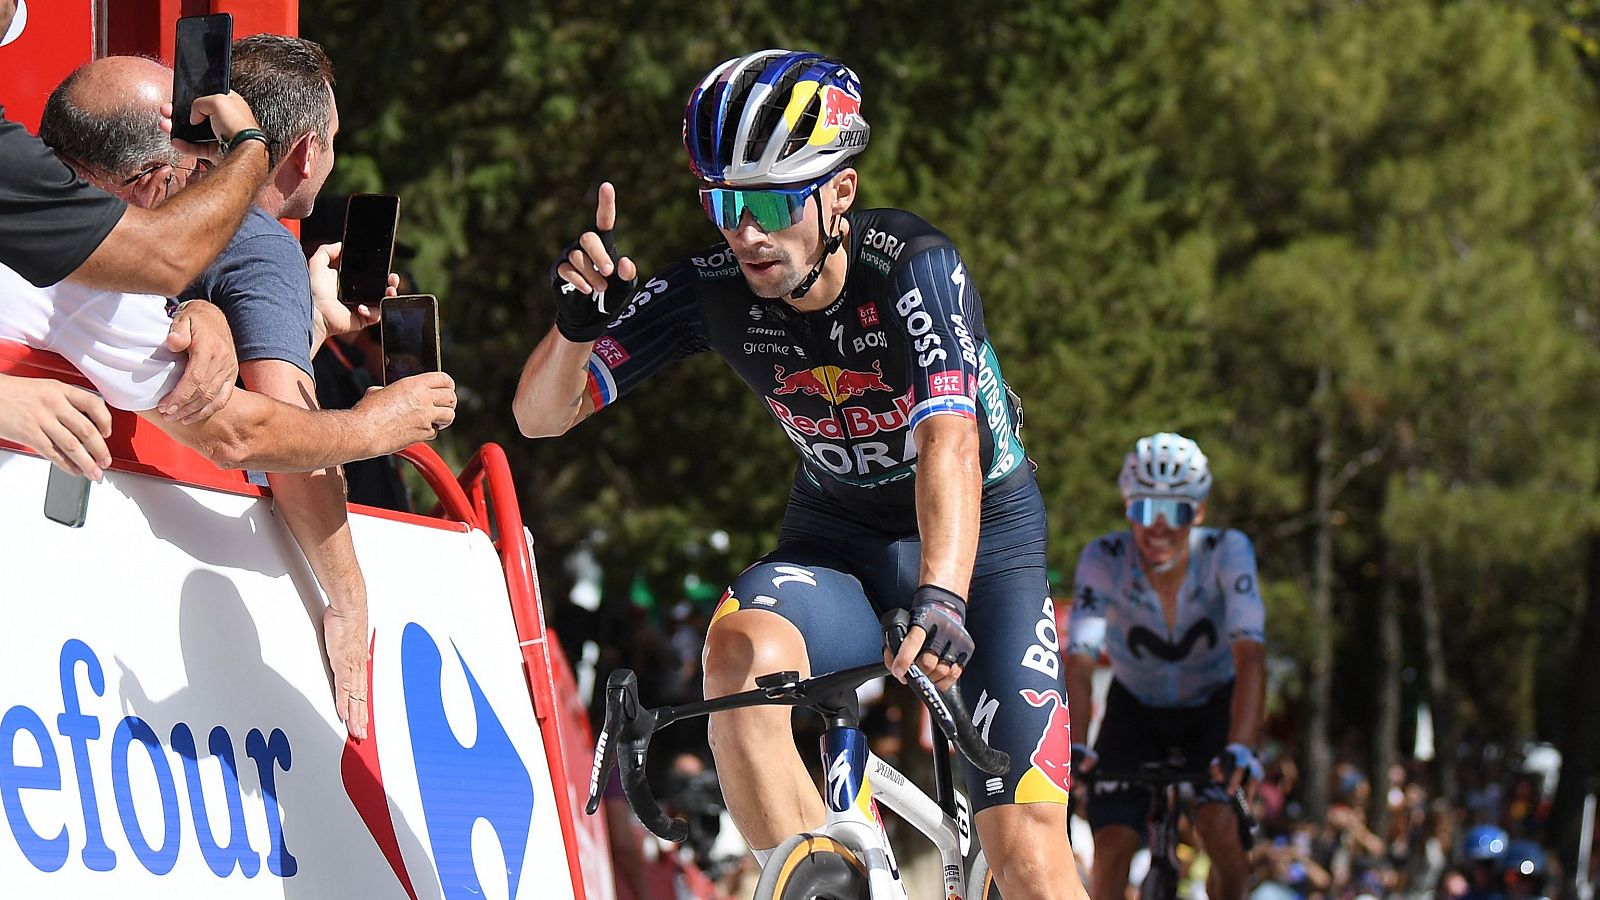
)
(1049, 777)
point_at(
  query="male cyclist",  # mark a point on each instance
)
(1178, 611)
(863, 333)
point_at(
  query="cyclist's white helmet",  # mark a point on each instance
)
(774, 117)
(1165, 465)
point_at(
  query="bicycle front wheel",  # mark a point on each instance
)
(980, 880)
(812, 867)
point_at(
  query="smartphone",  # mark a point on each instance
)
(202, 58)
(410, 331)
(370, 221)
(66, 498)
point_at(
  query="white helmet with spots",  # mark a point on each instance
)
(1165, 465)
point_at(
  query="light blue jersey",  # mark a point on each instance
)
(1115, 609)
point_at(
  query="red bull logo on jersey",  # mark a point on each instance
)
(1049, 778)
(857, 421)
(831, 382)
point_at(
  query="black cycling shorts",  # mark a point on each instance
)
(1133, 733)
(833, 575)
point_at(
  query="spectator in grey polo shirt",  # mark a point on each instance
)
(261, 283)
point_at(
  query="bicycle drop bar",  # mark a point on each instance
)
(1158, 777)
(625, 735)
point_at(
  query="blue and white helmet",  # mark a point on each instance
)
(774, 117)
(1165, 465)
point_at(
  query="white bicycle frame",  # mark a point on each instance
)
(857, 780)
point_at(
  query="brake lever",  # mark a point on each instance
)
(948, 709)
(622, 707)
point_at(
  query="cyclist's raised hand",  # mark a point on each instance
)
(592, 285)
(1237, 766)
(938, 641)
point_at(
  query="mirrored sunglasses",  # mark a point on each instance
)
(1145, 510)
(774, 209)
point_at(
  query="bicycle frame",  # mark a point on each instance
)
(855, 780)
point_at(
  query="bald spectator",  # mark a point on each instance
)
(53, 226)
(117, 340)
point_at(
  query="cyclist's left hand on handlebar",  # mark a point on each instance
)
(938, 641)
(1236, 766)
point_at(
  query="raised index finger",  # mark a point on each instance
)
(605, 213)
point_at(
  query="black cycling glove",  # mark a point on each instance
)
(941, 614)
(584, 317)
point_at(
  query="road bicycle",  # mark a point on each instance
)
(849, 857)
(1166, 780)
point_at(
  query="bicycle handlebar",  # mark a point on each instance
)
(1158, 776)
(948, 709)
(625, 735)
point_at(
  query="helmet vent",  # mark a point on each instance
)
(739, 91)
(766, 121)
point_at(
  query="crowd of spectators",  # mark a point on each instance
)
(160, 269)
(1487, 841)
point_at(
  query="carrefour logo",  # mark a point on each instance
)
(24, 735)
(166, 804)
(459, 784)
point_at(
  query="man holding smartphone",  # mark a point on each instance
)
(267, 427)
(54, 226)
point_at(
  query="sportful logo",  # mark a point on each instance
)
(458, 784)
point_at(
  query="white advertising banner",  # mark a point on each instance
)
(168, 727)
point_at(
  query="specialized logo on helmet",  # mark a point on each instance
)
(839, 110)
(831, 382)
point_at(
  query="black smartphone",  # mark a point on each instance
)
(370, 221)
(410, 330)
(66, 498)
(202, 58)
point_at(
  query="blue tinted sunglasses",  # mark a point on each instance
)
(774, 209)
(1145, 510)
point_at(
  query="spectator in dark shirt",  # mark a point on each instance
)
(53, 226)
(267, 295)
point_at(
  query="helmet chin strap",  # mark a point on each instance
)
(830, 243)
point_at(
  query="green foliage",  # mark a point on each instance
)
(1177, 212)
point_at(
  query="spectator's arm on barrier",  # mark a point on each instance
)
(256, 432)
(313, 506)
(67, 425)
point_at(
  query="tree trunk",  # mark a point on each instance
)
(1580, 745)
(1319, 750)
(1440, 701)
(1386, 733)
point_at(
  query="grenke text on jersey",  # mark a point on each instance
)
(860, 421)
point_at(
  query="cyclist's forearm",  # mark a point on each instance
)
(1080, 694)
(949, 501)
(1249, 692)
(552, 394)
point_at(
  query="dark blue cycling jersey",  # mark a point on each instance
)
(904, 341)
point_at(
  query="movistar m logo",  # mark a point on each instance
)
(1142, 638)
